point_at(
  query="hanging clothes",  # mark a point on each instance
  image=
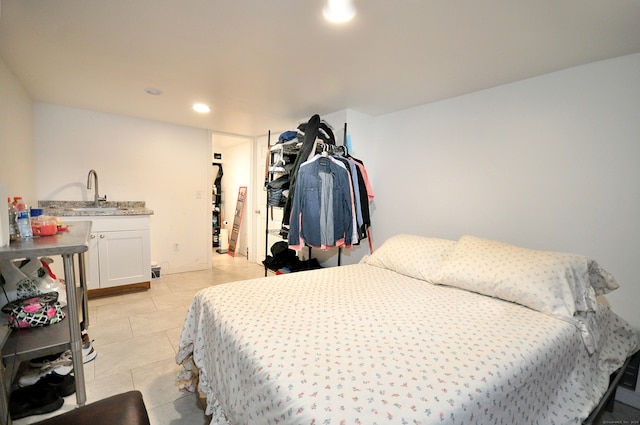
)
(327, 204)
(362, 196)
(322, 214)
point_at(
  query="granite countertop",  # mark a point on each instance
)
(109, 208)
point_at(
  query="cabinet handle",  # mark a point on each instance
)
(93, 236)
(102, 236)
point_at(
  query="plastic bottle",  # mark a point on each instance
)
(14, 234)
(23, 218)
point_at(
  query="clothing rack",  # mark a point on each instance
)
(315, 140)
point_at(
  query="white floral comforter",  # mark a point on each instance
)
(361, 344)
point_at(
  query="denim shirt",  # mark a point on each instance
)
(321, 214)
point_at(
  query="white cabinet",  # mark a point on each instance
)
(123, 258)
(119, 251)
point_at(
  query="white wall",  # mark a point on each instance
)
(165, 165)
(17, 169)
(547, 163)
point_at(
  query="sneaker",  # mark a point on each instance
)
(88, 353)
(63, 365)
(44, 360)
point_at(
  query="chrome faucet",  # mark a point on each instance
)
(96, 198)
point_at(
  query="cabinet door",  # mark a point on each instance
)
(92, 270)
(123, 257)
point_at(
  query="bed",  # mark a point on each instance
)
(423, 331)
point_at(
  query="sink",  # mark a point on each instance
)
(95, 209)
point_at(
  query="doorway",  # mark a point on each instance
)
(231, 156)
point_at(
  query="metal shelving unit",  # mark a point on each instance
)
(25, 344)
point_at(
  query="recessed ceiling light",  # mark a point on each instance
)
(202, 108)
(339, 11)
(153, 91)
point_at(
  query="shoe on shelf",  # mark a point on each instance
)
(63, 385)
(63, 365)
(34, 400)
(44, 360)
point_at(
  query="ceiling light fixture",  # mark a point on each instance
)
(339, 11)
(202, 108)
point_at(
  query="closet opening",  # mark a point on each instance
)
(230, 169)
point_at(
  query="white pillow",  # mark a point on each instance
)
(554, 283)
(414, 256)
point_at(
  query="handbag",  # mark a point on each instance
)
(38, 310)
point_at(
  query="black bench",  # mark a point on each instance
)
(122, 409)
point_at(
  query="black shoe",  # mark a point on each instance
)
(63, 385)
(34, 400)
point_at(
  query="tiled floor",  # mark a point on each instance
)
(136, 337)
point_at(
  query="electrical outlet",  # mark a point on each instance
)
(176, 247)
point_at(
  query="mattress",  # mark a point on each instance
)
(363, 344)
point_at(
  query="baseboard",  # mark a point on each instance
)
(118, 290)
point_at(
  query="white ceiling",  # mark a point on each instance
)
(265, 64)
